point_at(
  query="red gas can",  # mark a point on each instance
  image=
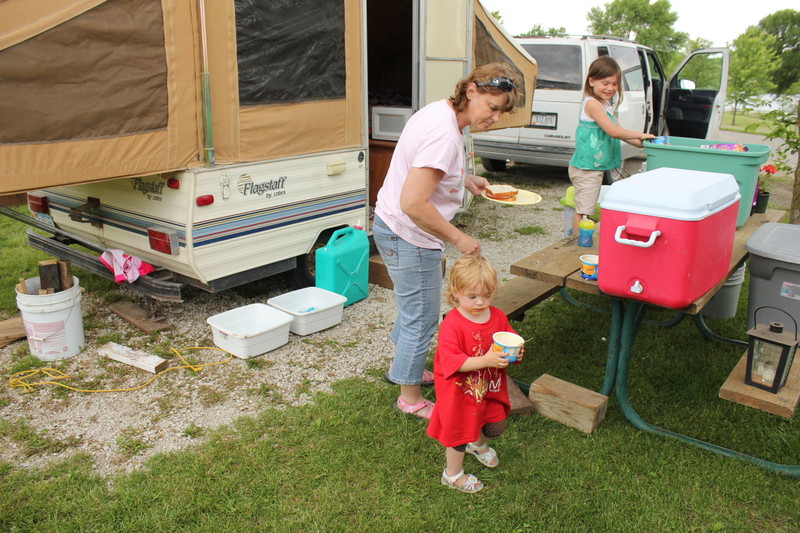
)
(666, 236)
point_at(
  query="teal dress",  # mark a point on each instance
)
(594, 148)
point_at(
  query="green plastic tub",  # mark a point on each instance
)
(686, 153)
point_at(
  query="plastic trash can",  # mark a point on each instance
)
(774, 274)
(726, 301)
(683, 152)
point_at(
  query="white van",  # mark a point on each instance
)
(689, 105)
(222, 141)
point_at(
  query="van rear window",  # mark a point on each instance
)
(559, 66)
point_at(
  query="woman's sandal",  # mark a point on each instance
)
(487, 458)
(471, 485)
(412, 409)
(427, 377)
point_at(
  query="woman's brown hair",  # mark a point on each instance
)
(485, 74)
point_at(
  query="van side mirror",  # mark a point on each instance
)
(687, 84)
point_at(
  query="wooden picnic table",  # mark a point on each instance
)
(558, 267)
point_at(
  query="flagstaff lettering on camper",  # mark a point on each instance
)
(151, 189)
(267, 189)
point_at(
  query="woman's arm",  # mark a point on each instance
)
(415, 202)
(597, 113)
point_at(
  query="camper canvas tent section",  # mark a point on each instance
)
(220, 141)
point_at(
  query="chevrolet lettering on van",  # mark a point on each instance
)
(151, 189)
(267, 189)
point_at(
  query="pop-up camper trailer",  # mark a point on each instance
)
(219, 140)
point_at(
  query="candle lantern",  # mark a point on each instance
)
(770, 353)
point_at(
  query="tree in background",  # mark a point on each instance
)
(784, 124)
(671, 60)
(650, 24)
(538, 31)
(784, 26)
(752, 66)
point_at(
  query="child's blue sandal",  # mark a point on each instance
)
(485, 455)
(471, 486)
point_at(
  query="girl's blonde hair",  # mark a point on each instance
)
(469, 272)
(603, 67)
(486, 73)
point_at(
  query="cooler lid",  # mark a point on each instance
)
(673, 193)
(776, 241)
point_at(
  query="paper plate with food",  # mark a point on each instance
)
(510, 195)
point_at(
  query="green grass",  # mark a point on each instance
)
(349, 463)
(745, 122)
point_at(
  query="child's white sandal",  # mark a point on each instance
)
(472, 485)
(487, 458)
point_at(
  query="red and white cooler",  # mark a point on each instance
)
(666, 236)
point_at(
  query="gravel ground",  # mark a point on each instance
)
(121, 430)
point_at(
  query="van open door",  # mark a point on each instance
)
(696, 94)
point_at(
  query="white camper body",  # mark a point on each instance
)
(268, 160)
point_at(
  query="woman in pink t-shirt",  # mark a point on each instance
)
(422, 192)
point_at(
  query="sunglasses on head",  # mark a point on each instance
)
(504, 84)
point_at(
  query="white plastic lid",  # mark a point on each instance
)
(776, 241)
(673, 193)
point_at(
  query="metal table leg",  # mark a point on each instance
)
(632, 317)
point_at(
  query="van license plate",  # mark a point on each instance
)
(544, 120)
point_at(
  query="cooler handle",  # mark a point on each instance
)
(631, 242)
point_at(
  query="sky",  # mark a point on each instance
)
(717, 21)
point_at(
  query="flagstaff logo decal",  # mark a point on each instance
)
(267, 189)
(151, 189)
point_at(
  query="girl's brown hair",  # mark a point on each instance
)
(603, 67)
(486, 73)
(469, 272)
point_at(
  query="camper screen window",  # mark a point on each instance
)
(290, 50)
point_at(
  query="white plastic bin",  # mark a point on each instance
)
(312, 309)
(250, 330)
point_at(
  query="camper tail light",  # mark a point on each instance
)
(174, 183)
(163, 240)
(37, 203)
(206, 199)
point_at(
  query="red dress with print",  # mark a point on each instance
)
(467, 401)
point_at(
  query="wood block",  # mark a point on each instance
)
(568, 403)
(379, 274)
(519, 294)
(11, 330)
(782, 404)
(22, 287)
(65, 275)
(129, 356)
(48, 275)
(520, 404)
(138, 317)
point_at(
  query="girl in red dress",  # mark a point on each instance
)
(471, 383)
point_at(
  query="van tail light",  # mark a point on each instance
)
(37, 203)
(163, 240)
(206, 199)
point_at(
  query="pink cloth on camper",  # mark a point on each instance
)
(125, 267)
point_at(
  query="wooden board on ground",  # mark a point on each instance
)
(11, 330)
(124, 354)
(568, 403)
(138, 317)
(520, 404)
(519, 294)
(782, 404)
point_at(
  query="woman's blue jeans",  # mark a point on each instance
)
(417, 277)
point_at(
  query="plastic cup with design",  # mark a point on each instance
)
(508, 343)
(589, 266)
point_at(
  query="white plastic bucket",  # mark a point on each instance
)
(53, 322)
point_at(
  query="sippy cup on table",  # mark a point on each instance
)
(585, 232)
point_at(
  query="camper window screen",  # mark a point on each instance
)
(290, 50)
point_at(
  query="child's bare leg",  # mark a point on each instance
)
(576, 219)
(455, 464)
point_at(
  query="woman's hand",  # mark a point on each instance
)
(467, 245)
(475, 184)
